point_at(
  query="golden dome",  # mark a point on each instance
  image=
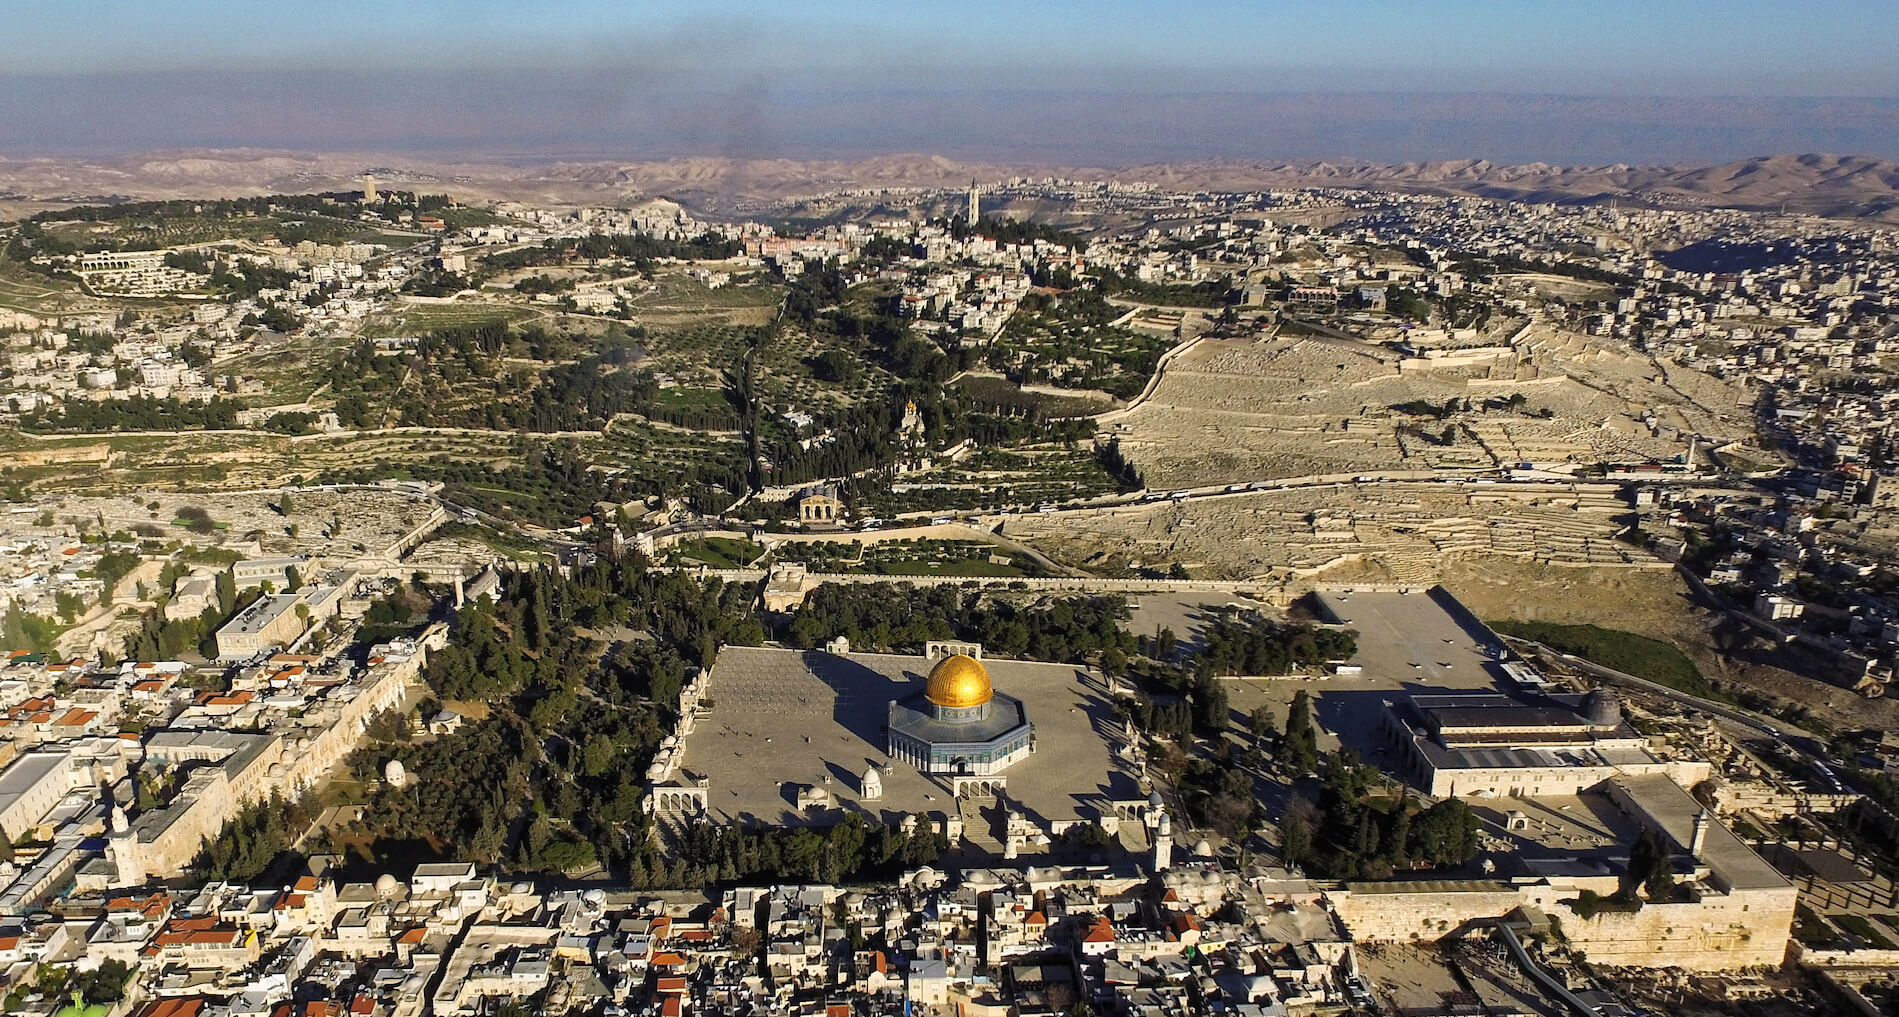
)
(959, 681)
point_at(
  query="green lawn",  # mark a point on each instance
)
(719, 552)
(1861, 926)
(1809, 929)
(680, 397)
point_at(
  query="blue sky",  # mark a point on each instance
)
(1590, 47)
(1592, 81)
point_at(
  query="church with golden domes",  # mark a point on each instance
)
(959, 725)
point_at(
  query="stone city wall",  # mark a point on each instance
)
(1424, 915)
(310, 758)
(1719, 932)
(1747, 928)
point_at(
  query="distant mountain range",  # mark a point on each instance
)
(1828, 185)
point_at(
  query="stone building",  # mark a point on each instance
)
(786, 587)
(1496, 745)
(820, 504)
(271, 620)
(960, 725)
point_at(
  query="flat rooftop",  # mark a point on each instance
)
(1397, 886)
(25, 774)
(784, 719)
(261, 613)
(1674, 810)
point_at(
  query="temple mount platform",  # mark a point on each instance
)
(787, 737)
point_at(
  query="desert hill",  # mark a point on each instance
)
(1830, 185)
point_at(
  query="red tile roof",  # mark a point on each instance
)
(173, 1008)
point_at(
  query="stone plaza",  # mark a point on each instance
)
(800, 737)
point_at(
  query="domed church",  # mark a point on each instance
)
(960, 725)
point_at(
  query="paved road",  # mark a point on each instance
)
(1332, 480)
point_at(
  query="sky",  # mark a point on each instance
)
(1104, 83)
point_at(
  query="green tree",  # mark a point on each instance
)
(1446, 833)
(837, 366)
(1163, 645)
(1261, 725)
(1299, 748)
(1397, 849)
(1651, 868)
(71, 606)
(1210, 705)
(1295, 836)
(597, 757)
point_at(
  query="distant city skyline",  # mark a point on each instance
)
(1109, 84)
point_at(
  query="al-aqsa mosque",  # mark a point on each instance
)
(960, 725)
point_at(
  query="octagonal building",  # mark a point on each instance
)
(960, 725)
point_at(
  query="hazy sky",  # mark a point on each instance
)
(1102, 82)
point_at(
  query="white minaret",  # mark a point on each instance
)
(369, 188)
(975, 203)
(123, 851)
(1699, 839)
(1163, 843)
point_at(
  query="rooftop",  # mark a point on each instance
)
(1674, 810)
(261, 613)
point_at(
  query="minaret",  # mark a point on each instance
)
(123, 851)
(1163, 843)
(975, 203)
(369, 188)
(1699, 839)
